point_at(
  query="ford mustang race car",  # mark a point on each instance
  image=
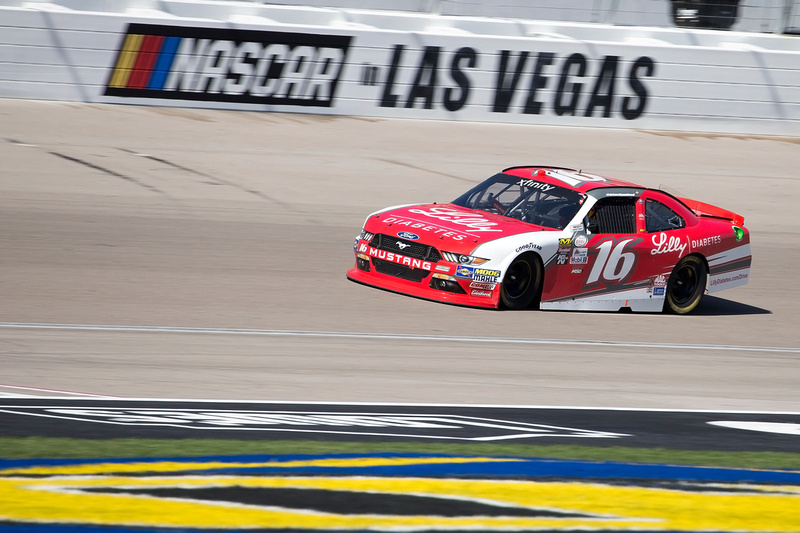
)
(558, 238)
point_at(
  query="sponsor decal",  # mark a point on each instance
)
(659, 281)
(532, 184)
(485, 275)
(561, 85)
(728, 279)
(438, 231)
(577, 271)
(658, 291)
(408, 235)
(665, 245)
(581, 240)
(228, 65)
(564, 243)
(580, 256)
(575, 228)
(707, 241)
(481, 294)
(399, 259)
(561, 258)
(473, 221)
(463, 272)
(529, 246)
(483, 286)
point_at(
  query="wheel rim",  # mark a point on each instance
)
(685, 285)
(518, 278)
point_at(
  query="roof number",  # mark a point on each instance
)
(575, 179)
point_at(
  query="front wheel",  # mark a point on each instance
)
(521, 282)
(686, 285)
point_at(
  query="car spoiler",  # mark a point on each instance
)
(711, 211)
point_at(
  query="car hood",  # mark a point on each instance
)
(446, 226)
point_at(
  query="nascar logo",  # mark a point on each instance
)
(228, 65)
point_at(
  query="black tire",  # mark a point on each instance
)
(521, 283)
(686, 286)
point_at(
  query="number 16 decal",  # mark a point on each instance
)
(614, 263)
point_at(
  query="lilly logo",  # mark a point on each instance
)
(408, 235)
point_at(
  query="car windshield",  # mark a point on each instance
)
(528, 200)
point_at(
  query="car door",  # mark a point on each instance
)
(666, 228)
(603, 253)
(615, 248)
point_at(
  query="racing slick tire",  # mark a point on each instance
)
(686, 285)
(522, 282)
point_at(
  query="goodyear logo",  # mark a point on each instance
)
(394, 492)
(226, 65)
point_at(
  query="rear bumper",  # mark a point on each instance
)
(422, 289)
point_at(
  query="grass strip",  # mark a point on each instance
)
(62, 448)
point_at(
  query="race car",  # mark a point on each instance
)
(556, 238)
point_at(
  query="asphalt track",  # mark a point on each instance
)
(141, 419)
(210, 247)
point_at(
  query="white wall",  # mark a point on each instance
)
(351, 62)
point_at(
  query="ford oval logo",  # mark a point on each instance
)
(408, 235)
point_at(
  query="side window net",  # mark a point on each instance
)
(661, 218)
(614, 215)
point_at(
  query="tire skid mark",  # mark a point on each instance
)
(107, 171)
(215, 179)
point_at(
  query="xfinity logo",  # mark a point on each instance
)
(228, 65)
(426, 426)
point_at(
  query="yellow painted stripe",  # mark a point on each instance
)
(126, 60)
(60, 500)
(166, 466)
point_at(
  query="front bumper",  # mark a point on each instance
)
(422, 288)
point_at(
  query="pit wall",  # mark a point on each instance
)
(383, 64)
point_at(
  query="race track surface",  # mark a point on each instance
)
(212, 248)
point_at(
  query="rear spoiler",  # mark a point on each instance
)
(711, 211)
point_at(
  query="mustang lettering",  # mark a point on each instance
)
(399, 259)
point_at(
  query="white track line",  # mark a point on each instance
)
(390, 336)
(67, 393)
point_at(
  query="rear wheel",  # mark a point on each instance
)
(686, 285)
(521, 282)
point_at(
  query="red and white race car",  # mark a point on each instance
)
(557, 237)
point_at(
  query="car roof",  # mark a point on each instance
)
(569, 178)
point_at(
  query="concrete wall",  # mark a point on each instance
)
(410, 65)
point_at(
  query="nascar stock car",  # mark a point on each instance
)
(559, 238)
